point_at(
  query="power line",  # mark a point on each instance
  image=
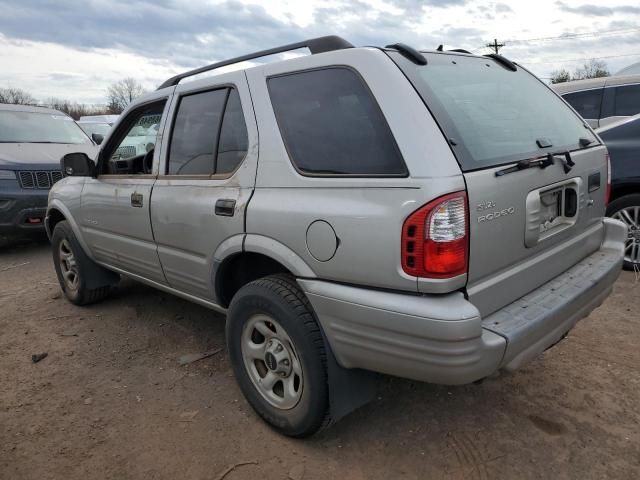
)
(561, 60)
(574, 35)
(568, 36)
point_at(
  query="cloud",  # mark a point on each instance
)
(185, 33)
(44, 43)
(591, 10)
(417, 5)
(503, 8)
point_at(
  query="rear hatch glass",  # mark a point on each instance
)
(526, 225)
(490, 114)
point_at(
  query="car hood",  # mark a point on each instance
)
(18, 155)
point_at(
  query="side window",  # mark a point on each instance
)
(331, 124)
(195, 133)
(131, 151)
(233, 144)
(209, 135)
(586, 103)
(627, 100)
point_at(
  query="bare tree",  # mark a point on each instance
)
(16, 96)
(121, 93)
(592, 69)
(560, 76)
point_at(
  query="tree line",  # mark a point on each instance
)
(118, 95)
(592, 69)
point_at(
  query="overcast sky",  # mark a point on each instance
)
(75, 49)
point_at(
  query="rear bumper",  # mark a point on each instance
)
(443, 339)
(19, 208)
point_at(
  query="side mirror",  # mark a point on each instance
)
(77, 165)
(97, 138)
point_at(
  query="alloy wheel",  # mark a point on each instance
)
(631, 217)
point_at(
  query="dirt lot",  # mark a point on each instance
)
(111, 401)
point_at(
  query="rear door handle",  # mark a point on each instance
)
(225, 207)
(136, 200)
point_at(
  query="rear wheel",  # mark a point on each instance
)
(278, 356)
(627, 209)
(73, 267)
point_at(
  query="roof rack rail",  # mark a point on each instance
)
(460, 50)
(505, 62)
(409, 52)
(315, 45)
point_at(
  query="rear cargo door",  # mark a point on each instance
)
(528, 226)
(535, 173)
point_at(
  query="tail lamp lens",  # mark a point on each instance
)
(435, 238)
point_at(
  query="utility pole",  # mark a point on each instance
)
(495, 45)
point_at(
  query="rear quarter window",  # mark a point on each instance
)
(627, 100)
(331, 124)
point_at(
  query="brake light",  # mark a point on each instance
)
(607, 195)
(435, 239)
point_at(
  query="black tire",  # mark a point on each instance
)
(280, 298)
(614, 210)
(81, 294)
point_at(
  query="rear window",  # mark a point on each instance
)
(331, 124)
(491, 115)
(586, 103)
(31, 127)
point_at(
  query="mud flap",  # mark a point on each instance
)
(349, 388)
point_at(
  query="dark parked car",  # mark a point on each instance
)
(623, 141)
(32, 141)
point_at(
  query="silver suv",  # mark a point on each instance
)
(431, 215)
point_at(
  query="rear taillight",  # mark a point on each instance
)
(607, 195)
(435, 239)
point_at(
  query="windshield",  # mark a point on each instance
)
(492, 115)
(30, 127)
(99, 128)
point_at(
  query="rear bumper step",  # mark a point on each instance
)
(443, 339)
(541, 318)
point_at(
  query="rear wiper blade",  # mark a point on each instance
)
(524, 164)
(550, 159)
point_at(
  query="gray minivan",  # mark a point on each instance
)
(432, 215)
(603, 101)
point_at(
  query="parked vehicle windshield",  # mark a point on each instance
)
(95, 127)
(32, 127)
(492, 115)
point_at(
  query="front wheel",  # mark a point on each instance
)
(74, 267)
(278, 355)
(627, 209)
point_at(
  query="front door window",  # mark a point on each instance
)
(131, 152)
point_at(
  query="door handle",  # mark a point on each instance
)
(225, 207)
(136, 200)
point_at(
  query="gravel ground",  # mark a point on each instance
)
(110, 400)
